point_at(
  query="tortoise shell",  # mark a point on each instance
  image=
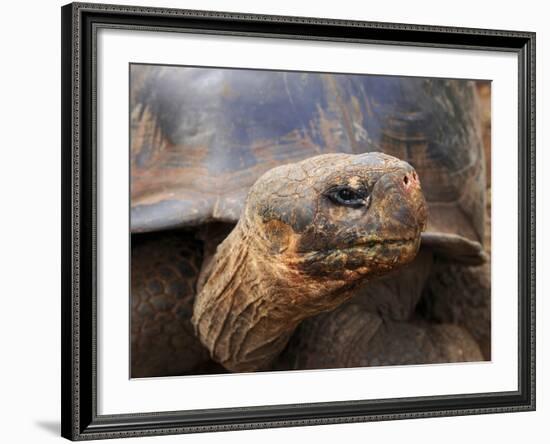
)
(200, 137)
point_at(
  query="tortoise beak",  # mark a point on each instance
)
(410, 184)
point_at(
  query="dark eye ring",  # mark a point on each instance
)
(347, 196)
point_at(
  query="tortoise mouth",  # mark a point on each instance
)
(381, 251)
(363, 245)
(362, 258)
(382, 242)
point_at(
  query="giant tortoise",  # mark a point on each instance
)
(276, 220)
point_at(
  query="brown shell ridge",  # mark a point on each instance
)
(455, 248)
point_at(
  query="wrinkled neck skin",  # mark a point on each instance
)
(250, 299)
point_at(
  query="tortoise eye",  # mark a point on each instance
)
(347, 196)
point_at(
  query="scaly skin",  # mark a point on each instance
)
(298, 251)
(461, 295)
(164, 273)
(352, 336)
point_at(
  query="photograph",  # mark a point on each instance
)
(278, 221)
(275, 222)
(295, 220)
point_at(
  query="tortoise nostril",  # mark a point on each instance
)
(414, 176)
(406, 180)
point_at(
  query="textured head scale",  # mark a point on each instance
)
(339, 215)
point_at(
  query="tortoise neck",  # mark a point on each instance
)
(249, 302)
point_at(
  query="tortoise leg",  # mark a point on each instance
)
(461, 295)
(164, 272)
(352, 336)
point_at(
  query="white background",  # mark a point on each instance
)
(30, 233)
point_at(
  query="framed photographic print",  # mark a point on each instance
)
(279, 221)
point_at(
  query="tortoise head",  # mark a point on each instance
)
(339, 216)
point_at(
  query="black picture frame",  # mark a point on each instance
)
(79, 169)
